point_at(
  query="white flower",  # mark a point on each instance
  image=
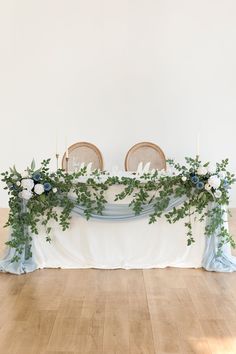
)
(207, 187)
(211, 169)
(222, 174)
(25, 194)
(14, 177)
(27, 183)
(218, 193)
(184, 178)
(39, 189)
(61, 179)
(201, 171)
(54, 190)
(18, 183)
(214, 182)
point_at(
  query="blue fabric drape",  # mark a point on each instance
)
(212, 260)
(122, 212)
(23, 265)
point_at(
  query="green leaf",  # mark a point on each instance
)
(32, 166)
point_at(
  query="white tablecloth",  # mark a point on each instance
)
(119, 244)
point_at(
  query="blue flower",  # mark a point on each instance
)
(200, 185)
(47, 187)
(226, 184)
(195, 179)
(36, 176)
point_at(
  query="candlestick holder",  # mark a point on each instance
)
(67, 164)
(57, 158)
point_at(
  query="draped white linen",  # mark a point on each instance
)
(119, 244)
(119, 239)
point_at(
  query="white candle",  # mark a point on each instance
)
(198, 145)
(56, 144)
(66, 148)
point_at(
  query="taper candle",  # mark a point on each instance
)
(56, 144)
(198, 145)
(66, 148)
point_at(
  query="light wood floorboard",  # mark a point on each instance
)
(156, 311)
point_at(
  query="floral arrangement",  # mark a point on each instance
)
(39, 196)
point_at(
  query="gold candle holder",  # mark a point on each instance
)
(57, 158)
(67, 164)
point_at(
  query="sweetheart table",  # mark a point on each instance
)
(119, 239)
(117, 233)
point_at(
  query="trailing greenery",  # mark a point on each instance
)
(39, 196)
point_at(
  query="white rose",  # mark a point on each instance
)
(27, 183)
(214, 181)
(184, 178)
(222, 174)
(54, 190)
(207, 187)
(202, 171)
(218, 194)
(39, 189)
(25, 194)
(211, 169)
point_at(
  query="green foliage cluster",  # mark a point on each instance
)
(155, 188)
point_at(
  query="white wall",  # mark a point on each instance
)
(116, 73)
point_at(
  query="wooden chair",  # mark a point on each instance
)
(83, 152)
(145, 152)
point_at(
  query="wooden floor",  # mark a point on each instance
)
(117, 311)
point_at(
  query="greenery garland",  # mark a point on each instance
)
(46, 197)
